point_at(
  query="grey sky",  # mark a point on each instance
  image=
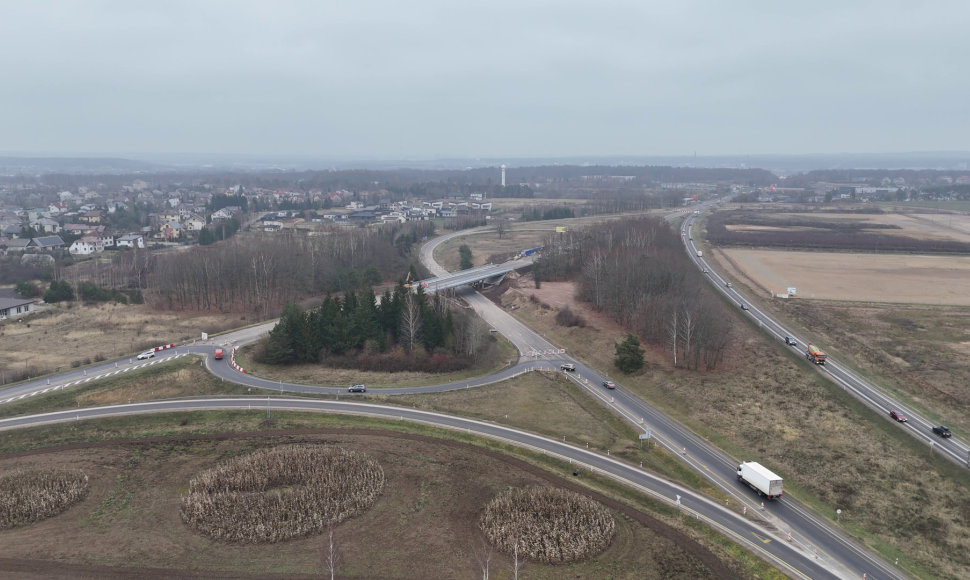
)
(390, 79)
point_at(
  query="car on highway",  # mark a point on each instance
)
(744, 306)
(898, 416)
(704, 270)
(568, 367)
(942, 431)
(791, 341)
(146, 354)
(728, 285)
(357, 389)
(609, 384)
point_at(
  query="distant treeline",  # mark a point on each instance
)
(818, 233)
(420, 182)
(636, 271)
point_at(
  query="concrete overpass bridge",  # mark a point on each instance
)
(487, 275)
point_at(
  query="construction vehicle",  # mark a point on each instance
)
(815, 354)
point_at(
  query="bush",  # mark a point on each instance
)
(34, 495)
(549, 524)
(59, 291)
(28, 289)
(282, 493)
(567, 317)
(629, 355)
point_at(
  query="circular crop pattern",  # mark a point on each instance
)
(550, 525)
(33, 495)
(281, 493)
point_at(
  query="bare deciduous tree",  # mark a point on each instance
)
(331, 558)
(410, 321)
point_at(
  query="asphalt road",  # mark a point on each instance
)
(793, 557)
(814, 538)
(955, 448)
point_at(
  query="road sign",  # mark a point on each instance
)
(645, 435)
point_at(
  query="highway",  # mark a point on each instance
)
(791, 557)
(812, 538)
(955, 448)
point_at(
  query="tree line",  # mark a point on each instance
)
(404, 330)
(636, 271)
(262, 272)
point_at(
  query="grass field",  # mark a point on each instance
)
(61, 336)
(765, 403)
(424, 524)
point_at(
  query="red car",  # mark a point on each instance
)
(897, 416)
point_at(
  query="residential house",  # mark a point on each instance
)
(170, 230)
(91, 217)
(47, 243)
(193, 223)
(79, 229)
(46, 225)
(12, 230)
(14, 307)
(221, 214)
(131, 241)
(86, 245)
(17, 245)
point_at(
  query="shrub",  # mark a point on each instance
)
(282, 493)
(59, 292)
(629, 355)
(549, 524)
(33, 495)
(567, 317)
(28, 289)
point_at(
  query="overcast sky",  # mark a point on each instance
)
(460, 78)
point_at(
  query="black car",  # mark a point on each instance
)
(943, 431)
(357, 389)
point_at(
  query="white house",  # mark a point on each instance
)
(131, 241)
(14, 307)
(90, 244)
(193, 223)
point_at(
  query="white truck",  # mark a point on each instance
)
(761, 479)
(700, 254)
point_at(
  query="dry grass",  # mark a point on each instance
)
(28, 496)
(768, 405)
(909, 279)
(424, 524)
(548, 525)
(59, 336)
(281, 493)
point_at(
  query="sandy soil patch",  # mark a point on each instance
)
(894, 278)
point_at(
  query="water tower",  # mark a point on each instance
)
(503, 175)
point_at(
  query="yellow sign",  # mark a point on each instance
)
(560, 229)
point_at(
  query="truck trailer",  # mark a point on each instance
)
(761, 479)
(815, 354)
